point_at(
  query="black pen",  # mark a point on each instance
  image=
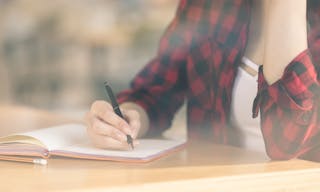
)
(116, 109)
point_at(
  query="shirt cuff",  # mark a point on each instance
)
(158, 122)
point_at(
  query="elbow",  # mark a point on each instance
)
(278, 154)
(279, 157)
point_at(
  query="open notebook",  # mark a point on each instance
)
(70, 140)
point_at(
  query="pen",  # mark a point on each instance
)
(39, 161)
(116, 109)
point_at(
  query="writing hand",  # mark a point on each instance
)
(107, 130)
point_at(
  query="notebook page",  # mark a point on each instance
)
(60, 136)
(148, 148)
(71, 140)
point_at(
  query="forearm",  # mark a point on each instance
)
(286, 36)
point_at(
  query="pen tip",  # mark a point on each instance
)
(130, 141)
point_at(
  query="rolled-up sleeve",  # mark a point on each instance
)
(289, 110)
(161, 85)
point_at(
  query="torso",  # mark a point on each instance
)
(246, 129)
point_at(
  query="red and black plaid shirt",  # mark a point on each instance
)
(198, 59)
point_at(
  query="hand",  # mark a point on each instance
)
(107, 130)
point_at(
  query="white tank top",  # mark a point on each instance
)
(244, 92)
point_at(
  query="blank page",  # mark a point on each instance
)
(71, 140)
(147, 150)
(60, 136)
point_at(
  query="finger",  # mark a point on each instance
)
(108, 142)
(98, 105)
(133, 119)
(99, 127)
(104, 111)
(102, 128)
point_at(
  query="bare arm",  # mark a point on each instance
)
(286, 35)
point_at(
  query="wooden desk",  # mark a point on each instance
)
(200, 167)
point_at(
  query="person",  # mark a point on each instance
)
(204, 58)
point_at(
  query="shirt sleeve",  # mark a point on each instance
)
(289, 110)
(160, 87)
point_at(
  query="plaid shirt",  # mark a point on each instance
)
(197, 61)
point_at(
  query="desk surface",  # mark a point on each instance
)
(202, 166)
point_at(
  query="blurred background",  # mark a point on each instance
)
(56, 55)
